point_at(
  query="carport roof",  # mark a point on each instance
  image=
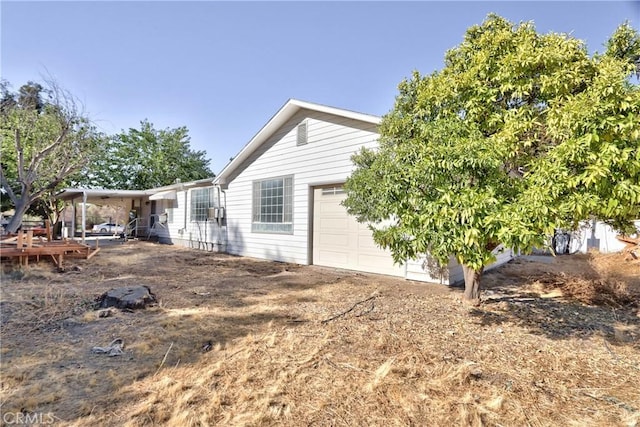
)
(97, 195)
(101, 195)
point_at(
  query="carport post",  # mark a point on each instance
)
(74, 209)
(84, 215)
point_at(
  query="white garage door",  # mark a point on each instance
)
(340, 241)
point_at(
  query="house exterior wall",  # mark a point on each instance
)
(175, 218)
(426, 269)
(181, 230)
(160, 229)
(325, 159)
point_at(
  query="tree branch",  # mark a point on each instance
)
(350, 310)
(20, 155)
(6, 186)
(35, 163)
(57, 179)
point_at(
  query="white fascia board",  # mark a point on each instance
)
(72, 193)
(182, 185)
(164, 195)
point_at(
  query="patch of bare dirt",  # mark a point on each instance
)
(237, 341)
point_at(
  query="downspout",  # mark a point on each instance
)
(217, 243)
(184, 228)
(224, 228)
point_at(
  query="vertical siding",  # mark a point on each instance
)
(326, 158)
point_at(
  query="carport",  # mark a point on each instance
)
(125, 198)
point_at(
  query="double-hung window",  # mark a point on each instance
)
(273, 205)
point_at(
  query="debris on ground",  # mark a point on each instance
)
(113, 349)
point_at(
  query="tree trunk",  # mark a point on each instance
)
(471, 285)
(20, 209)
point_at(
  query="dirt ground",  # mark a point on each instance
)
(237, 341)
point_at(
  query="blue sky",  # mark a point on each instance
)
(222, 69)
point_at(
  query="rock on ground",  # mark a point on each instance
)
(127, 297)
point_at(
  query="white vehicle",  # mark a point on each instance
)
(108, 227)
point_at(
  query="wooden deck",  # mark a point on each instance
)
(23, 248)
(631, 248)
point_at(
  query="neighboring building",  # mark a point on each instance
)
(597, 236)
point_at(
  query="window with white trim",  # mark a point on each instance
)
(272, 210)
(201, 200)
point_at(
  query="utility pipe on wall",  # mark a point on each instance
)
(185, 209)
(224, 229)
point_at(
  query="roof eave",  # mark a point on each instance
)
(182, 185)
(73, 193)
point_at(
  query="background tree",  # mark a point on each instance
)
(45, 140)
(518, 135)
(146, 158)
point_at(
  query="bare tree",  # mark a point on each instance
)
(46, 138)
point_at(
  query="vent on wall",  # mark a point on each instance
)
(302, 134)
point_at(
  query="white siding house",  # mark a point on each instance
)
(325, 159)
(282, 195)
(280, 199)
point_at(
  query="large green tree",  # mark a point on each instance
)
(147, 157)
(45, 139)
(519, 134)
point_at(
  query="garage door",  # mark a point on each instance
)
(340, 241)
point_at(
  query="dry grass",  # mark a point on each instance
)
(607, 292)
(284, 348)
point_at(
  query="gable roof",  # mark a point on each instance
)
(288, 110)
